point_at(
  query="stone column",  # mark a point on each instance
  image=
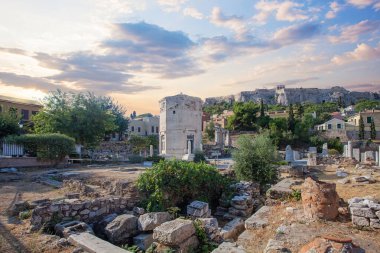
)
(349, 149)
(356, 154)
(345, 151)
(312, 159)
(151, 150)
(377, 157)
(189, 147)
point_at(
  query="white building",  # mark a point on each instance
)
(180, 126)
(332, 125)
(144, 126)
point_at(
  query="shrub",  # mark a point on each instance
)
(296, 195)
(333, 152)
(205, 245)
(155, 158)
(254, 158)
(199, 156)
(175, 183)
(136, 159)
(335, 144)
(53, 147)
(25, 214)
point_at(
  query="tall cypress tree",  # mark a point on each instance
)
(373, 130)
(361, 128)
(262, 113)
(291, 119)
(300, 111)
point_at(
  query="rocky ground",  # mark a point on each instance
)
(25, 186)
(285, 226)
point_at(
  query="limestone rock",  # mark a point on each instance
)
(150, 221)
(121, 228)
(258, 219)
(319, 199)
(198, 209)
(330, 243)
(228, 247)
(143, 241)
(174, 232)
(232, 229)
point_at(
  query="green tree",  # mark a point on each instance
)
(361, 128)
(341, 103)
(291, 119)
(82, 116)
(210, 131)
(254, 158)
(373, 130)
(138, 143)
(262, 109)
(367, 105)
(300, 111)
(9, 124)
(244, 117)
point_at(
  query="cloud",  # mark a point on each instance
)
(296, 33)
(362, 52)
(284, 11)
(335, 7)
(353, 32)
(171, 5)
(362, 3)
(192, 12)
(234, 23)
(27, 82)
(292, 82)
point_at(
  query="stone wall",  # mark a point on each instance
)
(20, 162)
(82, 210)
(365, 212)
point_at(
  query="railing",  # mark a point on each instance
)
(11, 149)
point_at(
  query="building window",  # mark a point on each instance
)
(152, 129)
(139, 129)
(173, 112)
(156, 129)
(329, 126)
(132, 128)
(369, 120)
(339, 126)
(25, 114)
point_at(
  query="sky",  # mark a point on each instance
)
(139, 51)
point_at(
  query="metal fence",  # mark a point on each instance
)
(11, 149)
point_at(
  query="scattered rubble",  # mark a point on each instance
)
(365, 212)
(331, 243)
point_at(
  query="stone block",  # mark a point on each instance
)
(121, 228)
(143, 241)
(66, 229)
(150, 221)
(360, 221)
(258, 219)
(374, 223)
(232, 229)
(92, 244)
(198, 209)
(228, 247)
(363, 212)
(174, 232)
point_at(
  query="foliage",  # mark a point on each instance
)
(133, 115)
(174, 211)
(217, 108)
(175, 183)
(291, 119)
(276, 107)
(300, 111)
(135, 159)
(53, 147)
(335, 144)
(82, 116)
(199, 156)
(155, 158)
(327, 107)
(138, 143)
(244, 117)
(9, 124)
(363, 105)
(373, 130)
(25, 214)
(254, 158)
(340, 102)
(334, 152)
(205, 245)
(210, 131)
(296, 195)
(361, 128)
(132, 248)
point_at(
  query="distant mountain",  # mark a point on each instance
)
(286, 96)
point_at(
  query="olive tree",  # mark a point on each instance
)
(254, 159)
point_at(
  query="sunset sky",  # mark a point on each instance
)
(139, 51)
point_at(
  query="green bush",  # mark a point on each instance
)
(335, 144)
(176, 183)
(155, 158)
(136, 159)
(254, 159)
(296, 195)
(199, 156)
(53, 147)
(25, 214)
(333, 152)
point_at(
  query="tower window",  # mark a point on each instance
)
(173, 112)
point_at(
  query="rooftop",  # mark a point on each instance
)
(19, 100)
